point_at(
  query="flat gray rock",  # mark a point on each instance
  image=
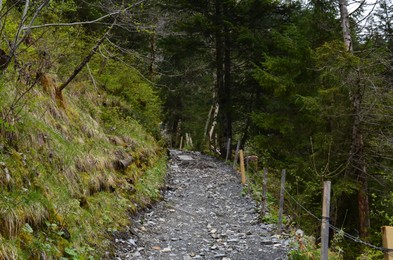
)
(185, 157)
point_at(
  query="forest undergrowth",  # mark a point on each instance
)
(73, 167)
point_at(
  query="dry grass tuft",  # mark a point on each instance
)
(100, 181)
(35, 214)
(86, 163)
(73, 179)
(90, 163)
(60, 98)
(49, 85)
(9, 226)
(8, 252)
(116, 140)
(12, 219)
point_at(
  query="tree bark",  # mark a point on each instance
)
(345, 25)
(356, 161)
(227, 104)
(357, 164)
(223, 80)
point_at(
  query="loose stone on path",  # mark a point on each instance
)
(203, 216)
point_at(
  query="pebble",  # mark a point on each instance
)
(166, 249)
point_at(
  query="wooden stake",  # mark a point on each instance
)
(242, 171)
(281, 209)
(236, 154)
(387, 242)
(264, 194)
(325, 220)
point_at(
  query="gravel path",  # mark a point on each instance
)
(203, 216)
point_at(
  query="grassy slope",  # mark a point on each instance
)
(63, 179)
(60, 192)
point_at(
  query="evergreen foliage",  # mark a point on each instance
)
(275, 76)
(292, 83)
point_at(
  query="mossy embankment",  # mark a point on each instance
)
(72, 171)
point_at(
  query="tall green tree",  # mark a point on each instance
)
(230, 35)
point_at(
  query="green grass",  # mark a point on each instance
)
(65, 198)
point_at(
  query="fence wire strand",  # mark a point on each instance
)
(346, 235)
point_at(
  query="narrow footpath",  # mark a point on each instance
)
(203, 216)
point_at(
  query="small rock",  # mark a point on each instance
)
(299, 233)
(166, 249)
(267, 242)
(131, 242)
(219, 255)
(215, 236)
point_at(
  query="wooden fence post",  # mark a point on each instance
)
(325, 220)
(236, 154)
(228, 149)
(264, 193)
(387, 239)
(281, 209)
(242, 170)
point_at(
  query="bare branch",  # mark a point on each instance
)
(85, 60)
(23, 19)
(91, 76)
(36, 14)
(85, 22)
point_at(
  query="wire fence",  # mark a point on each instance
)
(346, 235)
(335, 229)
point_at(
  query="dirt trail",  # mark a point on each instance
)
(203, 216)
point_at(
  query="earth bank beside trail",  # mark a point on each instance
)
(203, 216)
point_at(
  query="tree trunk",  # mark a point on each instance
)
(223, 81)
(356, 160)
(357, 164)
(213, 125)
(345, 24)
(227, 104)
(220, 73)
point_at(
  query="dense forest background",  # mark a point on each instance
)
(88, 87)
